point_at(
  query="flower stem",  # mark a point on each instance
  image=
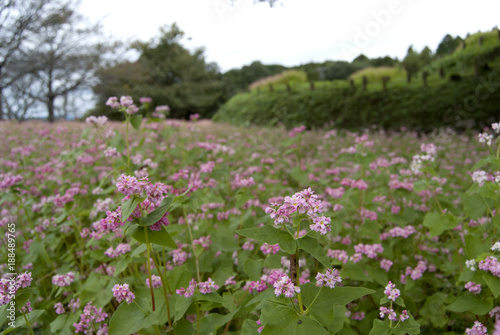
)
(148, 264)
(27, 323)
(314, 300)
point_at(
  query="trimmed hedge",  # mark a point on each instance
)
(462, 104)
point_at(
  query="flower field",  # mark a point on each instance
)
(165, 227)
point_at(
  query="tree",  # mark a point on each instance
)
(17, 19)
(169, 74)
(411, 63)
(448, 45)
(60, 58)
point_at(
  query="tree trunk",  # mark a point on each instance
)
(408, 77)
(1, 103)
(50, 108)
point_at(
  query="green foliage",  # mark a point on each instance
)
(422, 109)
(288, 77)
(168, 73)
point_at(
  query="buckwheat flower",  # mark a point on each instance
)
(132, 109)
(404, 316)
(471, 264)
(473, 287)
(90, 316)
(321, 225)
(496, 331)
(59, 308)
(485, 138)
(267, 248)
(126, 101)
(113, 102)
(63, 280)
(145, 100)
(479, 177)
(208, 286)
(24, 280)
(26, 308)
(286, 287)
(391, 291)
(230, 281)
(496, 246)
(156, 281)
(162, 108)
(496, 127)
(330, 278)
(477, 329)
(74, 304)
(111, 152)
(122, 292)
(189, 291)
(386, 264)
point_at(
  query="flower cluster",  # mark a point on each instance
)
(63, 280)
(204, 288)
(303, 202)
(126, 104)
(329, 278)
(89, 318)
(131, 186)
(418, 160)
(98, 121)
(391, 291)
(477, 329)
(391, 314)
(120, 250)
(473, 287)
(490, 264)
(122, 292)
(267, 248)
(156, 281)
(286, 287)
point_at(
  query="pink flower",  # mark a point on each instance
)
(156, 281)
(391, 291)
(330, 278)
(321, 225)
(122, 292)
(286, 287)
(473, 287)
(59, 308)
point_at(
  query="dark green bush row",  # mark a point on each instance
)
(468, 102)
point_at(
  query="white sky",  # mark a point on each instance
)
(296, 31)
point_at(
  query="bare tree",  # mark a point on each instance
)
(61, 58)
(17, 19)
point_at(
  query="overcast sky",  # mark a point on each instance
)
(295, 32)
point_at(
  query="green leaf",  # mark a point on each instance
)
(410, 327)
(210, 323)
(312, 246)
(160, 237)
(434, 310)
(493, 283)
(284, 320)
(380, 327)
(475, 246)
(253, 268)
(438, 223)
(474, 206)
(127, 319)
(129, 205)
(272, 236)
(157, 214)
(322, 307)
(242, 196)
(419, 186)
(468, 302)
(136, 121)
(181, 306)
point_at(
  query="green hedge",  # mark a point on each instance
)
(452, 104)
